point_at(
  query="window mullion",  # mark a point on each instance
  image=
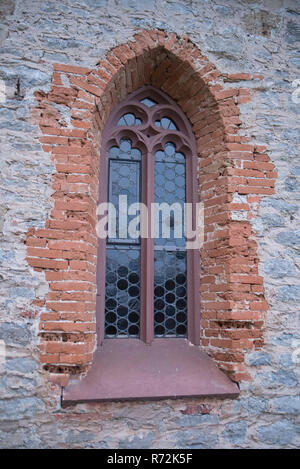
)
(101, 253)
(193, 260)
(147, 254)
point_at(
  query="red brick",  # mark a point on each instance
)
(69, 326)
(95, 90)
(70, 286)
(258, 165)
(238, 77)
(259, 306)
(255, 190)
(36, 242)
(44, 253)
(226, 94)
(71, 69)
(47, 263)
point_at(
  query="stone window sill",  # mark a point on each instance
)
(125, 369)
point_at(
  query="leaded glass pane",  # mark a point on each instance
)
(125, 151)
(129, 119)
(148, 102)
(122, 290)
(170, 189)
(170, 293)
(166, 123)
(124, 190)
(122, 293)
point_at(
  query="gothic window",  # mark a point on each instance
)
(148, 305)
(148, 284)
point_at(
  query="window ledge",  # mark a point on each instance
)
(126, 369)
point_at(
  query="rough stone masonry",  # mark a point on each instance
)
(257, 42)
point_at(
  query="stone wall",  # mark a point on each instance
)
(237, 36)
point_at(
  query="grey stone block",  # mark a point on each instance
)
(279, 204)
(79, 436)
(24, 365)
(94, 3)
(197, 439)
(295, 171)
(292, 135)
(23, 292)
(278, 434)
(225, 46)
(254, 405)
(286, 405)
(15, 409)
(272, 220)
(195, 420)
(235, 432)
(288, 238)
(285, 360)
(137, 6)
(285, 338)
(13, 333)
(284, 378)
(260, 22)
(259, 358)
(291, 184)
(27, 75)
(295, 61)
(288, 293)
(279, 268)
(292, 32)
(138, 442)
(59, 44)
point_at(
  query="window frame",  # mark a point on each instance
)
(184, 140)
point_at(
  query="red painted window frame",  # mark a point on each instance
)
(185, 142)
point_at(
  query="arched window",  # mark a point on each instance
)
(148, 284)
(148, 305)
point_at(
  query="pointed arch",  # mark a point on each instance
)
(148, 104)
(232, 297)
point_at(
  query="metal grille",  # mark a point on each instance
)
(124, 180)
(122, 299)
(170, 294)
(122, 288)
(170, 188)
(170, 297)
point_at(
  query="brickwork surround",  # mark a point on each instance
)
(71, 117)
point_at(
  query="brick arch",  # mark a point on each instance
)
(72, 116)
